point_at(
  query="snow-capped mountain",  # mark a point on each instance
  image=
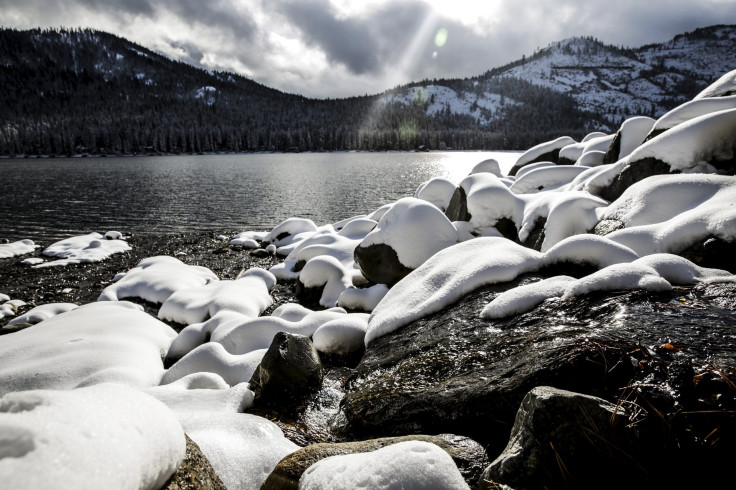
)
(611, 83)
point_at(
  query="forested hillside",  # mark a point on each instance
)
(89, 92)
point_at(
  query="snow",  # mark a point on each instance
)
(32, 261)
(523, 298)
(537, 151)
(154, 279)
(13, 249)
(437, 191)
(490, 166)
(342, 335)
(103, 436)
(489, 200)
(365, 299)
(726, 85)
(633, 131)
(654, 222)
(204, 393)
(592, 158)
(285, 233)
(415, 229)
(327, 272)
(448, 276)
(242, 448)
(213, 358)
(589, 249)
(249, 239)
(545, 178)
(247, 296)
(405, 465)
(95, 343)
(692, 109)
(43, 312)
(83, 249)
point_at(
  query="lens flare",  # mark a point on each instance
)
(441, 37)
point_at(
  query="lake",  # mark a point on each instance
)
(52, 198)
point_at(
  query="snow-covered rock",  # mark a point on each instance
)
(13, 249)
(83, 249)
(547, 151)
(43, 312)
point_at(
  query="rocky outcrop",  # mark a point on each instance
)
(290, 370)
(561, 438)
(195, 472)
(467, 454)
(452, 372)
(380, 264)
(633, 173)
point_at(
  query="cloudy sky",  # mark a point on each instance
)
(338, 48)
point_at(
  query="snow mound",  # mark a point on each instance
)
(249, 239)
(213, 358)
(437, 191)
(95, 343)
(591, 159)
(286, 232)
(589, 249)
(365, 299)
(414, 229)
(541, 150)
(342, 335)
(43, 312)
(523, 298)
(691, 110)
(247, 296)
(203, 393)
(104, 436)
(489, 200)
(487, 166)
(83, 249)
(242, 448)
(154, 279)
(447, 277)
(13, 249)
(617, 277)
(654, 222)
(632, 133)
(726, 85)
(545, 178)
(327, 272)
(32, 261)
(405, 465)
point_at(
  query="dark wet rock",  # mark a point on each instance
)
(309, 297)
(633, 173)
(457, 210)
(195, 472)
(468, 455)
(614, 149)
(507, 228)
(380, 264)
(16, 327)
(564, 439)
(260, 252)
(290, 370)
(536, 236)
(606, 226)
(453, 372)
(712, 252)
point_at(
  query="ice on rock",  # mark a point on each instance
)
(43, 312)
(105, 436)
(214, 358)
(258, 333)
(437, 191)
(726, 85)
(83, 249)
(154, 279)
(523, 298)
(487, 166)
(95, 343)
(327, 272)
(365, 299)
(669, 213)
(541, 150)
(545, 178)
(242, 448)
(13, 249)
(414, 229)
(343, 335)
(247, 296)
(406, 465)
(448, 276)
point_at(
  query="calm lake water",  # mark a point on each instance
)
(49, 199)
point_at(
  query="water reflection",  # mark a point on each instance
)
(55, 198)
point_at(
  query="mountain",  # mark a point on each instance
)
(74, 92)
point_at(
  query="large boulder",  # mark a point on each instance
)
(543, 152)
(195, 472)
(290, 370)
(467, 454)
(560, 437)
(407, 235)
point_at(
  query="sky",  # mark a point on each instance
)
(342, 48)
